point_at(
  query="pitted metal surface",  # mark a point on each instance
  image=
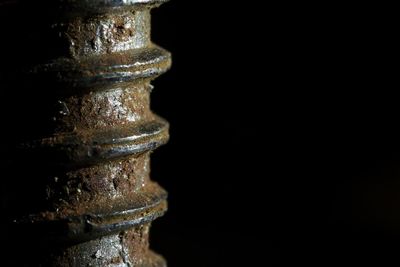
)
(86, 134)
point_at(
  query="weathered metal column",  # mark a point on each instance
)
(79, 192)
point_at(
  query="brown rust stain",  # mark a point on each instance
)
(101, 182)
(117, 107)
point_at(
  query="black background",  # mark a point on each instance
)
(284, 140)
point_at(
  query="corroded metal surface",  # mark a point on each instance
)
(85, 135)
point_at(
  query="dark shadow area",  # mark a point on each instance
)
(284, 139)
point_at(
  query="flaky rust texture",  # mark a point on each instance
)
(92, 200)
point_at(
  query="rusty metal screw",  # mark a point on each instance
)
(85, 135)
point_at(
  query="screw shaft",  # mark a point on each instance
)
(86, 133)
